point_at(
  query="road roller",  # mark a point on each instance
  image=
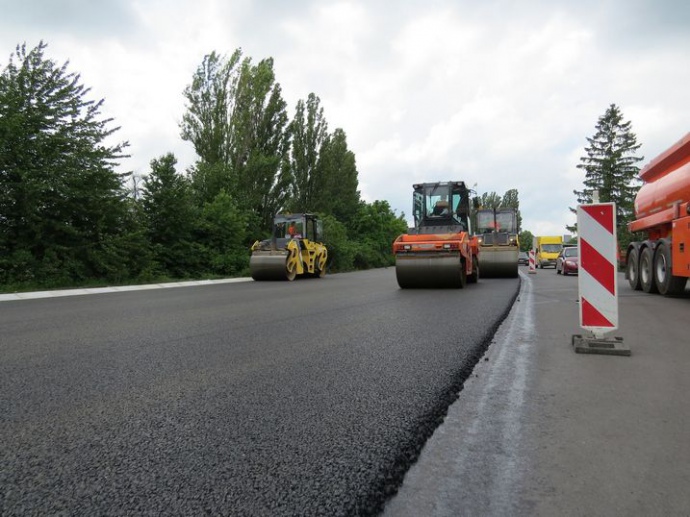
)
(294, 249)
(498, 242)
(439, 251)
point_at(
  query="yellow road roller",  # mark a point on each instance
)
(295, 249)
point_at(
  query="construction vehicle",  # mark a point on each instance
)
(546, 250)
(295, 249)
(661, 262)
(498, 242)
(439, 250)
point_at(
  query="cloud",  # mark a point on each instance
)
(89, 20)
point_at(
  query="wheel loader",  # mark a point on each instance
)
(498, 242)
(295, 249)
(440, 250)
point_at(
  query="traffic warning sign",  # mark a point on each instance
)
(598, 279)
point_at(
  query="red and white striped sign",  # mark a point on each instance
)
(532, 270)
(598, 278)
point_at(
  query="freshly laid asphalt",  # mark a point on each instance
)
(257, 398)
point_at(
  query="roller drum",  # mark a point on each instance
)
(425, 271)
(498, 262)
(270, 266)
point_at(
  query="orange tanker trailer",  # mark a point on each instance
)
(661, 263)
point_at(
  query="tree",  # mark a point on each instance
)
(210, 104)
(610, 168)
(493, 201)
(170, 217)
(237, 121)
(207, 122)
(222, 234)
(339, 195)
(309, 132)
(262, 143)
(490, 200)
(375, 227)
(61, 203)
(525, 239)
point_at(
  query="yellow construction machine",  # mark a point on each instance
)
(498, 242)
(295, 248)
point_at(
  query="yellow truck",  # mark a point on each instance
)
(546, 250)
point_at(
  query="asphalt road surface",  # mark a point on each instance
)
(305, 398)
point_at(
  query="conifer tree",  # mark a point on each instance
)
(610, 168)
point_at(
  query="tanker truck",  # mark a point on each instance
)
(661, 262)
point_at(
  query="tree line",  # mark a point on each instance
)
(68, 217)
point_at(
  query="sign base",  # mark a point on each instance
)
(602, 346)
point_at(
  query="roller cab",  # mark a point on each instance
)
(293, 250)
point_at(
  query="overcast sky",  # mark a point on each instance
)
(497, 93)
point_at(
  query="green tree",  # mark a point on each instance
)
(222, 236)
(210, 98)
(171, 218)
(339, 195)
(207, 122)
(491, 200)
(237, 121)
(262, 143)
(610, 168)
(525, 238)
(375, 228)
(309, 132)
(341, 250)
(511, 200)
(61, 202)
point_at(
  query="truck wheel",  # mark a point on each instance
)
(632, 270)
(667, 283)
(647, 271)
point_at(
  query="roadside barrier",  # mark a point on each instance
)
(598, 280)
(532, 269)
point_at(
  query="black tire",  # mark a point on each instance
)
(463, 275)
(632, 270)
(290, 275)
(474, 277)
(647, 271)
(318, 272)
(667, 284)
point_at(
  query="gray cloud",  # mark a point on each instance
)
(85, 18)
